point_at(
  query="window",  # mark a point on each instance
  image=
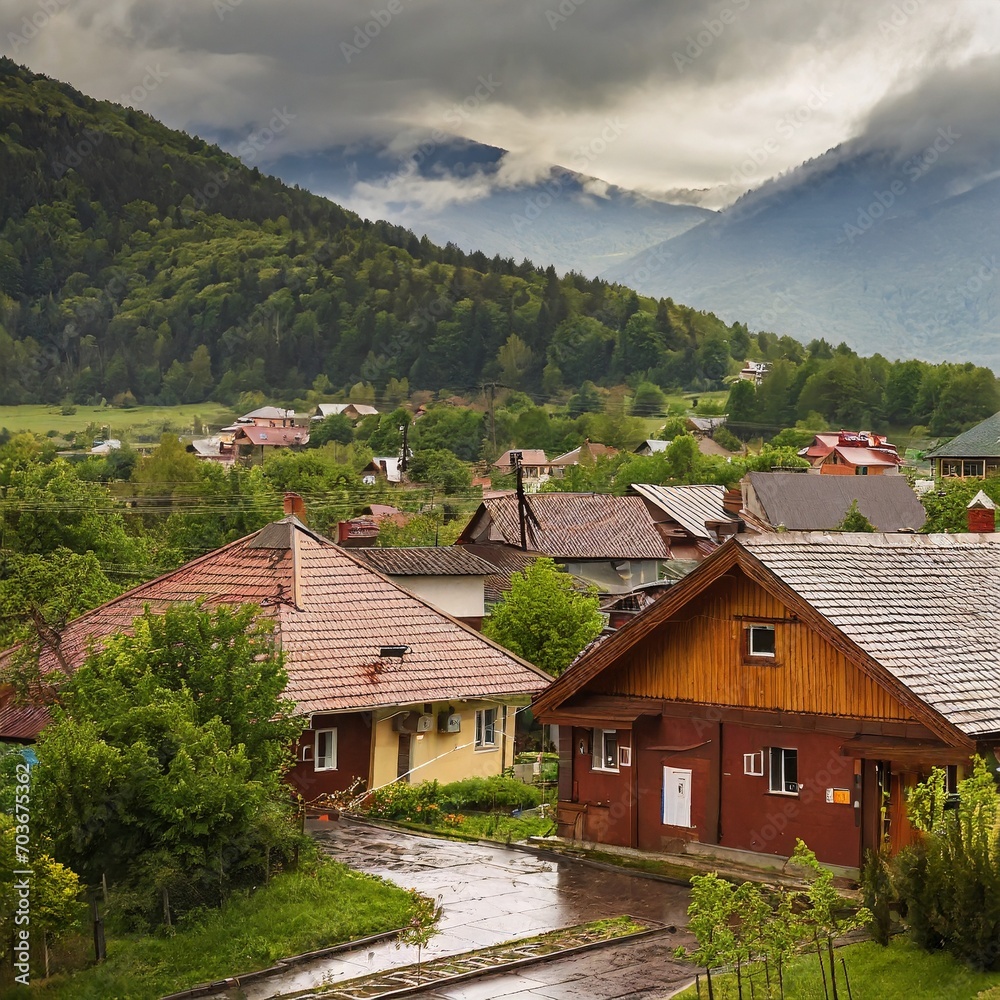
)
(326, 750)
(972, 468)
(486, 728)
(861, 470)
(784, 771)
(951, 467)
(753, 764)
(759, 641)
(605, 749)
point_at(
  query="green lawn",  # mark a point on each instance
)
(296, 913)
(876, 973)
(140, 422)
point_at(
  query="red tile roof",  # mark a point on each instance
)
(332, 614)
(270, 436)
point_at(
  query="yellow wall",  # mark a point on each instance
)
(445, 756)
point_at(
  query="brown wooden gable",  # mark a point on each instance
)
(697, 656)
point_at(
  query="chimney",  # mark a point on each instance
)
(732, 501)
(294, 504)
(981, 514)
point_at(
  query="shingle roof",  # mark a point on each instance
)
(573, 526)
(332, 614)
(427, 560)
(273, 436)
(926, 607)
(529, 456)
(804, 502)
(690, 506)
(981, 441)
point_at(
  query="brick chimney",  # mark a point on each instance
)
(982, 514)
(294, 504)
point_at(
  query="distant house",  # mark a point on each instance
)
(974, 454)
(387, 686)
(248, 438)
(848, 453)
(704, 426)
(694, 520)
(611, 542)
(795, 685)
(535, 466)
(216, 448)
(387, 467)
(353, 411)
(801, 502)
(586, 454)
(450, 577)
(651, 446)
(105, 446)
(754, 371)
(269, 416)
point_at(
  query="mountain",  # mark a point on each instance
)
(141, 263)
(478, 197)
(889, 243)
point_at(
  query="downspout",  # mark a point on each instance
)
(503, 741)
(718, 813)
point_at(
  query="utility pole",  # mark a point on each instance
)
(402, 458)
(524, 512)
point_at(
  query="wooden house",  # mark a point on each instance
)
(974, 454)
(849, 453)
(387, 686)
(793, 685)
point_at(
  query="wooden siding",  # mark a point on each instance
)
(699, 658)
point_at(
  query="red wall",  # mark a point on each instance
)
(610, 795)
(755, 820)
(354, 740)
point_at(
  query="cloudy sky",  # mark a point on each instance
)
(658, 95)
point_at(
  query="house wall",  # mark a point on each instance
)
(608, 580)
(458, 596)
(443, 756)
(698, 658)
(354, 741)
(610, 795)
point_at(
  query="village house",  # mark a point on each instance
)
(974, 454)
(353, 411)
(849, 453)
(535, 468)
(608, 541)
(587, 454)
(797, 501)
(794, 685)
(651, 446)
(694, 519)
(387, 686)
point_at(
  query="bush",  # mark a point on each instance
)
(727, 439)
(489, 795)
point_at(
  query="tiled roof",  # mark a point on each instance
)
(692, 507)
(428, 560)
(806, 502)
(981, 441)
(575, 456)
(573, 526)
(273, 436)
(332, 614)
(925, 607)
(529, 456)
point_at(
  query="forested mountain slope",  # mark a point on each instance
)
(136, 261)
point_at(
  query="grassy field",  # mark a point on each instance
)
(297, 912)
(141, 424)
(876, 973)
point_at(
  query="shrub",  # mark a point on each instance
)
(727, 439)
(489, 795)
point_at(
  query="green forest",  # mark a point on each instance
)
(140, 264)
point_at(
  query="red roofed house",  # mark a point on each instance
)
(848, 454)
(387, 686)
(794, 685)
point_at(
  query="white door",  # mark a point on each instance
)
(676, 797)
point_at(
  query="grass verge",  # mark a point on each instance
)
(876, 973)
(483, 826)
(297, 912)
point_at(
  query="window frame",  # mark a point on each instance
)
(783, 790)
(750, 655)
(317, 757)
(486, 726)
(600, 753)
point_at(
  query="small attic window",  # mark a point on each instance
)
(758, 642)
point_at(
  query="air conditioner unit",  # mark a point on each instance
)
(405, 723)
(449, 722)
(424, 723)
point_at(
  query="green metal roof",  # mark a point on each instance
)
(981, 441)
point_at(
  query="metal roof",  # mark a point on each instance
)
(806, 502)
(690, 506)
(981, 441)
